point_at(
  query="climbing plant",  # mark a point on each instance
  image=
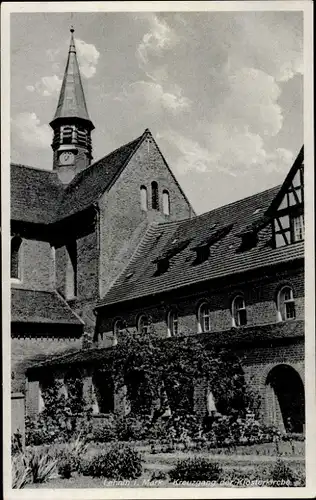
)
(158, 374)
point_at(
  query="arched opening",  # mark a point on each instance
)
(173, 323)
(154, 196)
(286, 304)
(165, 202)
(143, 198)
(104, 391)
(239, 312)
(204, 318)
(74, 388)
(285, 399)
(16, 242)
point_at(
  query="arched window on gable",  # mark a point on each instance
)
(286, 304)
(239, 312)
(154, 196)
(165, 202)
(16, 242)
(173, 323)
(143, 198)
(204, 318)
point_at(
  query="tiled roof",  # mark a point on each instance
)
(72, 103)
(35, 194)
(226, 257)
(33, 306)
(90, 184)
(38, 196)
(250, 335)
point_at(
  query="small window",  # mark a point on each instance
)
(154, 196)
(165, 202)
(118, 329)
(204, 318)
(71, 270)
(143, 325)
(298, 228)
(143, 198)
(16, 242)
(173, 323)
(286, 304)
(239, 313)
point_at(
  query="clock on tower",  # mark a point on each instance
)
(66, 158)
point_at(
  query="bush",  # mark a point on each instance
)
(195, 469)
(133, 428)
(105, 432)
(283, 475)
(65, 468)
(85, 466)
(116, 463)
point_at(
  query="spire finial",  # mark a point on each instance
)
(72, 30)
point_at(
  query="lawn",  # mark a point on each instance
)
(254, 461)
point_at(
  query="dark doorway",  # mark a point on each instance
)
(104, 390)
(289, 390)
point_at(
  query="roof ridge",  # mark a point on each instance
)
(232, 203)
(135, 254)
(13, 164)
(64, 301)
(88, 169)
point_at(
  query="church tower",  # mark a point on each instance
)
(71, 124)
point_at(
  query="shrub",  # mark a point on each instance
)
(85, 466)
(195, 469)
(105, 432)
(283, 475)
(133, 427)
(21, 473)
(65, 468)
(117, 463)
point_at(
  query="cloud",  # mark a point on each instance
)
(47, 85)
(226, 150)
(251, 101)
(29, 129)
(159, 38)
(88, 57)
(154, 98)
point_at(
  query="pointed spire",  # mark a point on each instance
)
(72, 103)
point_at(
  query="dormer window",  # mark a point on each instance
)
(202, 249)
(239, 312)
(163, 260)
(16, 243)
(154, 196)
(286, 304)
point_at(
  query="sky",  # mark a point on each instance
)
(221, 92)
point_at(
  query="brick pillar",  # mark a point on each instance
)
(32, 398)
(18, 415)
(121, 403)
(200, 400)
